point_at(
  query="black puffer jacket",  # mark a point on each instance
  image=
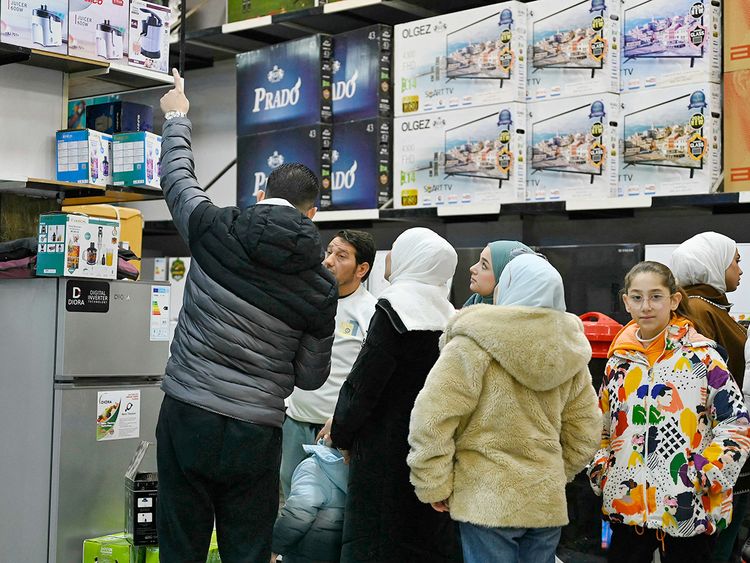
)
(259, 308)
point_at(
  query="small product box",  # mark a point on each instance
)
(99, 30)
(468, 156)
(361, 176)
(141, 498)
(362, 74)
(39, 24)
(670, 42)
(285, 85)
(120, 117)
(671, 140)
(573, 148)
(77, 246)
(136, 159)
(736, 36)
(84, 156)
(470, 58)
(574, 48)
(149, 36)
(238, 10)
(258, 156)
(115, 548)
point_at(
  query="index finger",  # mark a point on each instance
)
(178, 83)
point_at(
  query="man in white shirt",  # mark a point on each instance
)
(349, 257)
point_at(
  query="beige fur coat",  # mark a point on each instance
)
(507, 416)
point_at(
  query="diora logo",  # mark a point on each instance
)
(344, 180)
(265, 100)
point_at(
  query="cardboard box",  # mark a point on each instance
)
(574, 48)
(285, 85)
(149, 36)
(42, 25)
(120, 117)
(77, 246)
(258, 155)
(671, 140)
(573, 148)
(467, 156)
(361, 176)
(362, 74)
(238, 10)
(470, 58)
(115, 548)
(99, 30)
(136, 159)
(736, 131)
(141, 499)
(670, 42)
(84, 156)
(736, 36)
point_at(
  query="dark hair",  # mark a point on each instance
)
(364, 247)
(295, 183)
(669, 281)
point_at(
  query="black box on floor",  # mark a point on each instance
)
(141, 498)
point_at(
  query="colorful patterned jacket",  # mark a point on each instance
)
(674, 435)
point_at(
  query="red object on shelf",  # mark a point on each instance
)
(601, 331)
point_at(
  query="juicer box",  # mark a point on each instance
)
(136, 159)
(285, 85)
(99, 30)
(467, 156)
(574, 48)
(238, 10)
(120, 117)
(736, 143)
(259, 155)
(361, 171)
(470, 58)
(572, 146)
(84, 156)
(41, 24)
(670, 42)
(148, 36)
(736, 36)
(76, 245)
(671, 140)
(362, 73)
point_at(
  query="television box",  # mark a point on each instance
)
(141, 498)
(572, 147)
(238, 10)
(574, 48)
(99, 30)
(670, 42)
(736, 36)
(284, 85)
(120, 117)
(471, 58)
(671, 140)
(258, 155)
(362, 73)
(736, 131)
(136, 159)
(84, 156)
(42, 25)
(468, 156)
(361, 167)
(149, 36)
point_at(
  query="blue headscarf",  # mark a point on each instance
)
(501, 252)
(531, 281)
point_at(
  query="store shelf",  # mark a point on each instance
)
(346, 215)
(608, 203)
(471, 209)
(77, 194)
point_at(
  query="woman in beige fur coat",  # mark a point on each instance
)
(507, 416)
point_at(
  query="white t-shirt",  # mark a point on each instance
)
(352, 321)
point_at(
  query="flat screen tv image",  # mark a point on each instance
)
(477, 50)
(475, 149)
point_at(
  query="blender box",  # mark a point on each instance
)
(670, 42)
(671, 140)
(574, 48)
(572, 147)
(40, 24)
(84, 156)
(136, 159)
(99, 30)
(238, 10)
(736, 36)
(362, 73)
(120, 117)
(361, 167)
(470, 58)
(148, 36)
(284, 85)
(76, 245)
(141, 498)
(467, 156)
(258, 156)
(736, 145)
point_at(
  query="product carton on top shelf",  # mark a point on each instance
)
(41, 24)
(84, 156)
(99, 30)
(136, 159)
(736, 35)
(149, 36)
(120, 117)
(736, 131)
(238, 10)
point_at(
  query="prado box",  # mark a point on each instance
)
(285, 85)
(99, 30)
(471, 58)
(671, 140)
(467, 156)
(136, 159)
(84, 156)
(574, 48)
(39, 24)
(670, 42)
(736, 36)
(238, 10)
(149, 36)
(572, 146)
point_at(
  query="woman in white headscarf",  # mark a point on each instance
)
(507, 416)
(383, 519)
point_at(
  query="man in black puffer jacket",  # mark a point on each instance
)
(257, 320)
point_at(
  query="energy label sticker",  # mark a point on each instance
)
(159, 325)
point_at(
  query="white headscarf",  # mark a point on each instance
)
(704, 259)
(422, 265)
(530, 281)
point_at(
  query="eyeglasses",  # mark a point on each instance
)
(657, 300)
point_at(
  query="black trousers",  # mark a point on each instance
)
(215, 466)
(629, 546)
